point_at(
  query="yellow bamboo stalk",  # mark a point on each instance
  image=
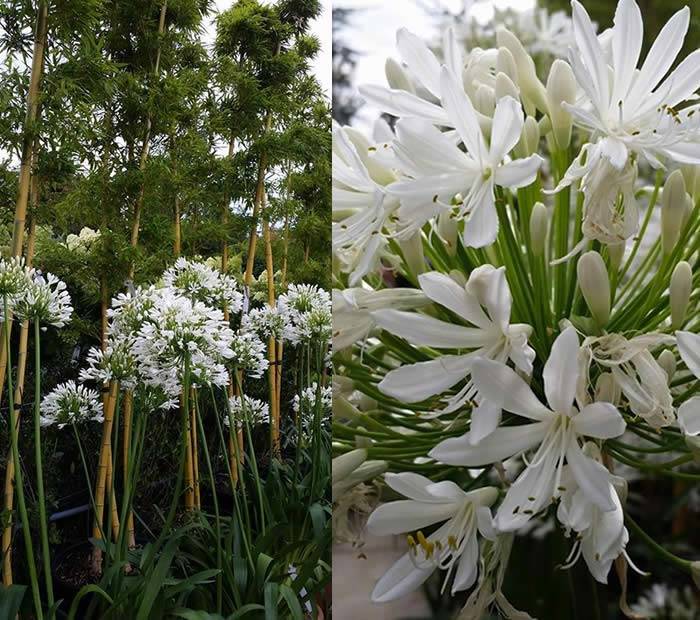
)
(102, 467)
(195, 450)
(189, 466)
(114, 519)
(128, 429)
(272, 344)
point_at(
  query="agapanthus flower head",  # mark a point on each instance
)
(305, 404)
(70, 403)
(178, 331)
(116, 362)
(46, 300)
(312, 328)
(14, 277)
(268, 322)
(202, 282)
(129, 311)
(255, 411)
(301, 298)
(249, 353)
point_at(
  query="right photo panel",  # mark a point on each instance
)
(516, 356)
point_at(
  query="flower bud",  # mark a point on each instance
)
(595, 286)
(531, 88)
(673, 202)
(505, 86)
(484, 100)
(412, 250)
(529, 138)
(561, 87)
(606, 389)
(679, 293)
(505, 63)
(345, 464)
(448, 230)
(667, 361)
(538, 228)
(691, 174)
(616, 252)
(397, 77)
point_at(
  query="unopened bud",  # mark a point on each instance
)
(397, 77)
(673, 201)
(345, 464)
(505, 86)
(691, 174)
(538, 228)
(606, 389)
(505, 63)
(533, 91)
(595, 286)
(412, 250)
(529, 138)
(485, 100)
(616, 252)
(679, 293)
(667, 361)
(561, 87)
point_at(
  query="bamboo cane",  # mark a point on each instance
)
(114, 518)
(102, 468)
(9, 489)
(272, 343)
(128, 426)
(195, 450)
(138, 207)
(28, 146)
(189, 467)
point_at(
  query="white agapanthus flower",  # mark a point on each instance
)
(269, 322)
(437, 170)
(353, 308)
(203, 283)
(178, 330)
(249, 353)
(485, 304)
(116, 362)
(254, 410)
(70, 403)
(630, 112)
(636, 373)
(14, 278)
(601, 536)
(545, 32)
(556, 430)
(307, 403)
(453, 547)
(689, 411)
(308, 311)
(46, 300)
(301, 298)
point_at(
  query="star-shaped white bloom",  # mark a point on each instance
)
(557, 430)
(453, 547)
(437, 170)
(484, 302)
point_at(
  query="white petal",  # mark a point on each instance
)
(689, 348)
(627, 38)
(500, 385)
(689, 416)
(507, 126)
(468, 566)
(445, 291)
(591, 476)
(461, 112)
(592, 54)
(403, 104)
(425, 331)
(407, 516)
(685, 79)
(561, 371)
(419, 59)
(410, 484)
(403, 577)
(485, 419)
(519, 172)
(413, 383)
(428, 147)
(503, 443)
(600, 420)
(481, 227)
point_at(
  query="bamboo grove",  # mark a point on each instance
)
(150, 151)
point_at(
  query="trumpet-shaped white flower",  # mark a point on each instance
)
(255, 411)
(14, 278)
(69, 403)
(556, 430)
(689, 411)
(301, 298)
(116, 362)
(485, 303)
(635, 371)
(453, 547)
(601, 535)
(249, 353)
(437, 170)
(268, 322)
(45, 300)
(353, 307)
(306, 404)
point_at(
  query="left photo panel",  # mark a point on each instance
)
(165, 314)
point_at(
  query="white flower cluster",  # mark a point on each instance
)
(544, 314)
(33, 296)
(70, 403)
(268, 322)
(255, 411)
(305, 404)
(249, 353)
(83, 242)
(308, 309)
(201, 282)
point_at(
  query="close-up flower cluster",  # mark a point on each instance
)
(516, 300)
